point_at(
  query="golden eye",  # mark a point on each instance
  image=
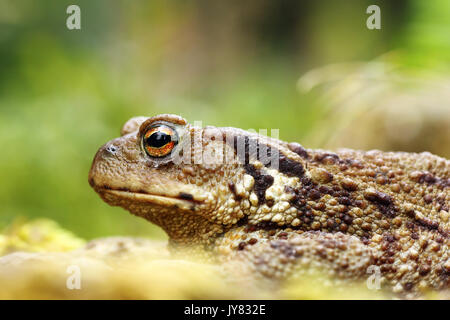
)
(159, 141)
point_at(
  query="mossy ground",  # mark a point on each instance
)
(37, 260)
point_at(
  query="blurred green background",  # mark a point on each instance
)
(63, 93)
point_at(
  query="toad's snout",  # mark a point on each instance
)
(108, 164)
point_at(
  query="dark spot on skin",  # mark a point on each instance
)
(325, 190)
(328, 177)
(307, 182)
(349, 185)
(262, 181)
(290, 167)
(424, 269)
(383, 202)
(241, 245)
(442, 204)
(311, 191)
(348, 220)
(286, 248)
(298, 149)
(360, 204)
(272, 228)
(390, 253)
(427, 198)
(408, 286)
(429, 178)
(253, 148)
(269, 226)
(411, 226)
(331, 224)
(379, 197)
(322, 176)
(321, 252)
(327, 158)
(428, 223)
(306, 220)
(436, 248)
(289, 189)
(321, 206)
(410, 213)
(423, 222)
(354, 163)
(314, 194)
(446, 269)
(244, 222)
(186, 196)
(389, 237)
(270, 203)
(345, 201)
(252, 241)
(298, 200)
(232, 188)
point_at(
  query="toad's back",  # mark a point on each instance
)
(353, 210)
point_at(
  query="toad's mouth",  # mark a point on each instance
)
(182, 200)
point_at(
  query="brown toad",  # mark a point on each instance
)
(277, 206)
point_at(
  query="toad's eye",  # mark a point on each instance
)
(159, 141)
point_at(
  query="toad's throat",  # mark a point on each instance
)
(182, 200)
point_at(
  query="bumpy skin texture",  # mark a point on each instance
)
(341, 212)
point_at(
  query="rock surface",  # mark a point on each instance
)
(136, 268)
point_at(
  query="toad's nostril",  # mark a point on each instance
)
(111, 149)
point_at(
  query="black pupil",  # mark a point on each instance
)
(158, 139)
